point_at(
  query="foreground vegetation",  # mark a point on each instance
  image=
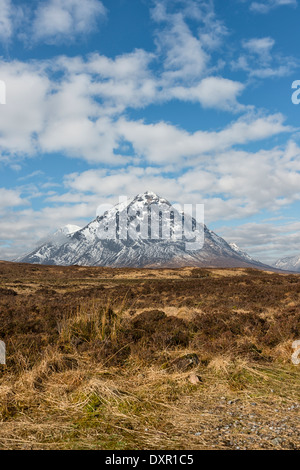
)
(148, 359)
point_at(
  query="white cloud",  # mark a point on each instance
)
(260, 46)
(128, 81)
(184, 57)
(267, 5)
(212, 92)
(163, 143)
(10, 198)
(265, 241)
(46, 115)
(125, 81)
(232, 174)
(211, 30)
(80, 114)
(186, 54)
(57, 20)
(261, 61)
(6, 20)
(24, 228)
(228, 183)
(235, 175)
(23, 116)
(49, 21)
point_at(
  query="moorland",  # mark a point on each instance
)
(192, 358)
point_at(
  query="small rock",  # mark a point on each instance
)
(276, 441)
(185, 362)
(195, 379)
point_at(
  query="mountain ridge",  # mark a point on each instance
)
(288, 263)
(84, 247)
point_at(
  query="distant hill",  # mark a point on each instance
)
(291, 263)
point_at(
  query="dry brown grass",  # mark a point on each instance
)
(91, 367)
(101, 408)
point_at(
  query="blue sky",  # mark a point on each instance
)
(187, 98)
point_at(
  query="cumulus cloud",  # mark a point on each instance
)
(49, 21)
(49, 115)
(81, 114)
(163, 143)
(24, 114)
(62, 20)
(232, 174)
(212, 92)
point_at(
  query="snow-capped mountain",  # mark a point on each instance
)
(49, 244)
(126, 236)
(69, 229)
(241, 252)
(60, 236)
(291, 263)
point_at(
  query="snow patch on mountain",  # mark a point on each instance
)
(103, 242)
(241, 252)
(290, 263)
(54, 240)
(69, 229)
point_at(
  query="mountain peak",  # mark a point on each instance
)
(68, 229)
(101, 243)
(149, 197)
(290, 263)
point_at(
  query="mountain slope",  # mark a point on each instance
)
(291, 263)
(86, 247)
(242, 253)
